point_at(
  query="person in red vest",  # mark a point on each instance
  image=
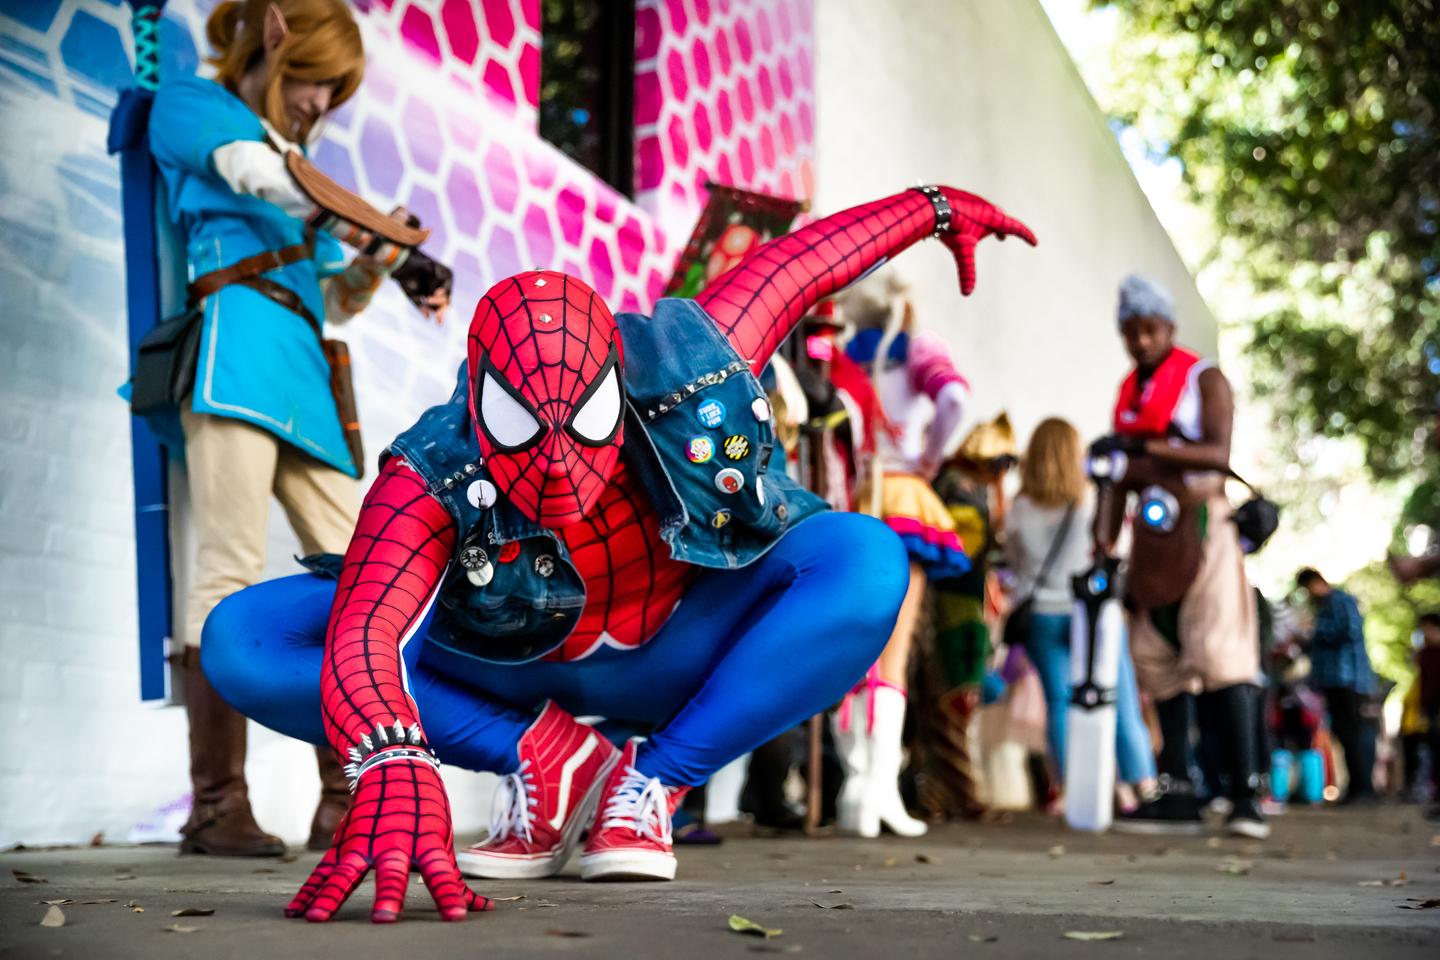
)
(1192, 614)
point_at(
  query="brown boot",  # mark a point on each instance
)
(221, 823)
(334, 800)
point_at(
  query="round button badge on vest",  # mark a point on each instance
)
(481, 575)
(737, 447)
(760, 407)
(545, 565)
(711, 414)
(700, 449)
(473, 558)
(729, 480)
(719, 518)
(481, 494)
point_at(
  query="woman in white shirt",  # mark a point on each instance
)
(1052, 483)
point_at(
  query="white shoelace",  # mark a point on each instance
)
(513, 810)
(641, 804)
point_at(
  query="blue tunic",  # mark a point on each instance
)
(258, 361)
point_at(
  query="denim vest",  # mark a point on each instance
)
(689, 398)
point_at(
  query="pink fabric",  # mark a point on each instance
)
(907, 526)
(869, 685)
(931, 366)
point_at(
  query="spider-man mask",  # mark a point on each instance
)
(547, 393)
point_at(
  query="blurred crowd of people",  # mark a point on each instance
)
(1222, 701)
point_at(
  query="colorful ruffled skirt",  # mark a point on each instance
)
(911, 508)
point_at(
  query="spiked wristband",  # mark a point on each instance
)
(388, 745)
(943, 212)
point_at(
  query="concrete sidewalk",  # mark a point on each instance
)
(1327, 884)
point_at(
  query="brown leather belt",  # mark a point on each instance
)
(246, 269)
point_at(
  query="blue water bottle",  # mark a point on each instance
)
(1282, 771)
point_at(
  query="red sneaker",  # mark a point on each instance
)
(540, 810)
(631, 836)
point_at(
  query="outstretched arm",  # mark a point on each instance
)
(401, 816)
(759, 302)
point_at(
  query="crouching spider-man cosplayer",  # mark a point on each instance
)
(586, 528)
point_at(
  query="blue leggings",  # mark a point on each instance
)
(1049, 650)
(748, 654)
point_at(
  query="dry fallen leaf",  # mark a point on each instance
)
(774, 948)
(1101, 883)
(263, 870)
(194, 912)
(179, 929)
(1371, 883)
(501, 899)
(26, 877)
(923, 858)
(133, 903)
(565, 933)
(834, 906)
(979, 939)
(1095, 935)
(53, 903)
(126, 876)
(54, 917)
(1057, 851)
(98, 840)
(1420, 904)
(891, 862)
(740, 925)
(138, 909)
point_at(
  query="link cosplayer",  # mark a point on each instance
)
(560, 539)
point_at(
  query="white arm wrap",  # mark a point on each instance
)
(251, 167)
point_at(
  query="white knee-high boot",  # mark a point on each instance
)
(881, 801)
(853, 746)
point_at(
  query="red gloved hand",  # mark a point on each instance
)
(400, 817)
(975, 218)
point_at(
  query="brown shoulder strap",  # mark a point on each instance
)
(247, 268)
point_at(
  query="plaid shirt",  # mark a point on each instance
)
(1337, 647)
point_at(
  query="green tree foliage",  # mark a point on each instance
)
(1310, 129)
(1392, 614)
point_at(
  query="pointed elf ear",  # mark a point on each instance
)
(275, 28)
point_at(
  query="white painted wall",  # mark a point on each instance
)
(981, 95)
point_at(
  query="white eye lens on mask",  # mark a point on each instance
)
(598, 415)
(505, 419)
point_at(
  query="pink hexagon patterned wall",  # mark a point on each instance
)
(725, 91)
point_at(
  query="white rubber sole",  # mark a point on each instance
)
(488, 866)
(1253, 829)
(1158, 828)
(617, 865)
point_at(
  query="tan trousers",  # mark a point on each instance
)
(1219, 630)
(234, 466)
